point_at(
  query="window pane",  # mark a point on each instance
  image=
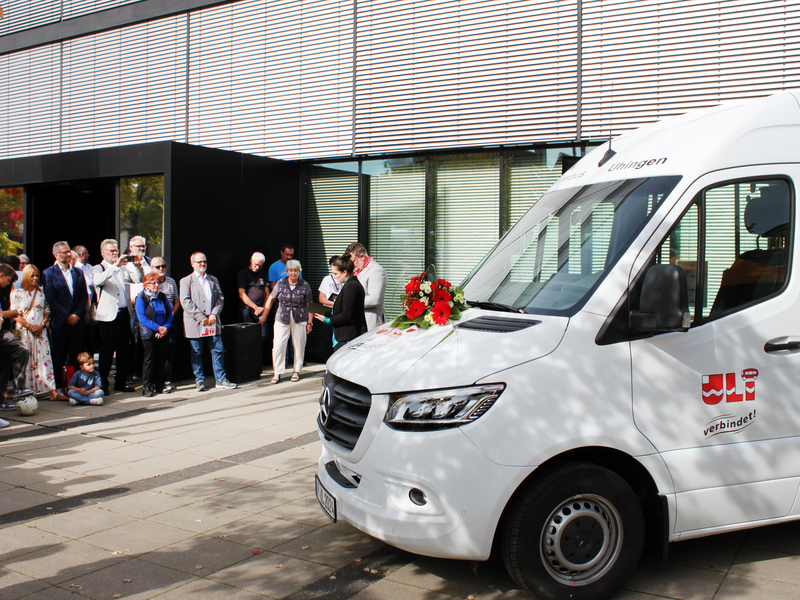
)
(141, 212)
(397, 222)
(528, 175)
(680, 248)
(467, 222)
(747, 243)
(12, 203)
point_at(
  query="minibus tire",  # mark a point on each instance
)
(576, 534)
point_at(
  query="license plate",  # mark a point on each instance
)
(325, 499)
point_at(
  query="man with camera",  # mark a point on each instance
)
(112, 279)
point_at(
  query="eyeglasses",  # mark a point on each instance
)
(200, 262)
(159, 266)
(139, 246)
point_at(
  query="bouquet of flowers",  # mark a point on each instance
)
(429, 302)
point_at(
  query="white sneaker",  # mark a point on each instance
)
(4, 423)
(96, 401)
(73, 402)
(227, 385)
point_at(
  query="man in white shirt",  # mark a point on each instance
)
(202, 302)
(66, 294)
(112, 281)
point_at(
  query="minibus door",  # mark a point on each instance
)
(717, 401)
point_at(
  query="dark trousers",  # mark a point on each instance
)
(155, 360)
(66, 342)
(13, 360)
(114, 336)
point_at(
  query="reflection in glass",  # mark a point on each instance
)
(557, 254)
(141, 212)
(12, 203)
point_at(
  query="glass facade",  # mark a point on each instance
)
(12, 220)
(441, 211)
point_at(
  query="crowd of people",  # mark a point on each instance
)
(124, 310)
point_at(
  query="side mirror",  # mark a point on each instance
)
(664, 303)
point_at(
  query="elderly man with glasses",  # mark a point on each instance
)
(112, 281)
(169, 287)
(202, 302)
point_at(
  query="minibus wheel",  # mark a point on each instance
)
(576, 534)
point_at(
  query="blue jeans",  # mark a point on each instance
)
(80, 399)
(215, 346)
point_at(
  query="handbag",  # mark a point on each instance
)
(17, 331)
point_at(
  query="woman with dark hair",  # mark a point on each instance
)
(154, 312)
(347, 316)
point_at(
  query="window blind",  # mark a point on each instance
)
(467, 212)
(396, 223)
(644, 60)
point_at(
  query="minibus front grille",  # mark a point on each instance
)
(343, 410)
(497, 324)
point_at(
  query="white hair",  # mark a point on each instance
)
(258, 256)
(293, 264)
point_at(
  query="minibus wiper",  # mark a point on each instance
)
(496, 306)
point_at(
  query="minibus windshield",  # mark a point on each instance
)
(561, 249)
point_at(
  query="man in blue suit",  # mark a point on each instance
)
(65, 292)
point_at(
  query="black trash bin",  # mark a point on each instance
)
(242, 343)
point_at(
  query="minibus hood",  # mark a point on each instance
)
(460, 353)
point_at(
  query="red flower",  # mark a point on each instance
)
(440, 313)
(444, 283)
(441, 295)
(412, 287)
(416, 309)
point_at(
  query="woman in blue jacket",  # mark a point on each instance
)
(155, 318)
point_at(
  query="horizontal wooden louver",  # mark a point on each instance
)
(644, 60)
(29, 112)
(19, 15)
(272, 78)
(469, 73)
(124, 86)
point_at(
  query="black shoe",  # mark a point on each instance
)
(125, 388)
(148, 391)
(169, 386)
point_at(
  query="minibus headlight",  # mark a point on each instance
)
(441, 409)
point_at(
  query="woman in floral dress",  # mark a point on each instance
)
(34, 312)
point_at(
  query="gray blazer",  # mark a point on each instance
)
(192, 298)
(373, 280)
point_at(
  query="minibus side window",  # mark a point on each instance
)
(734, 245)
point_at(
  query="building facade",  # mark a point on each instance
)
(423, 128)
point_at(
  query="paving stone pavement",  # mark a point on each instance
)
(211, 495)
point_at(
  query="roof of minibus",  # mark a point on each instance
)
(762, 131)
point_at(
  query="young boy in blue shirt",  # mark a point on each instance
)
(85, 387)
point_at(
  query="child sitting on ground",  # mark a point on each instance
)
(85, 387)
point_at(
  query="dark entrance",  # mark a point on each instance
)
(79, 212)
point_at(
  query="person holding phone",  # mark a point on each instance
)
(329, 289)
(113, 282)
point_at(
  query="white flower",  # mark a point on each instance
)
(459, 298)
(429, 318)
(425, 288)
(424, 300)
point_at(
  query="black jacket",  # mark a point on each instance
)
(348, 311)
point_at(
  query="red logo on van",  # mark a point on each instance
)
(717, 386)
